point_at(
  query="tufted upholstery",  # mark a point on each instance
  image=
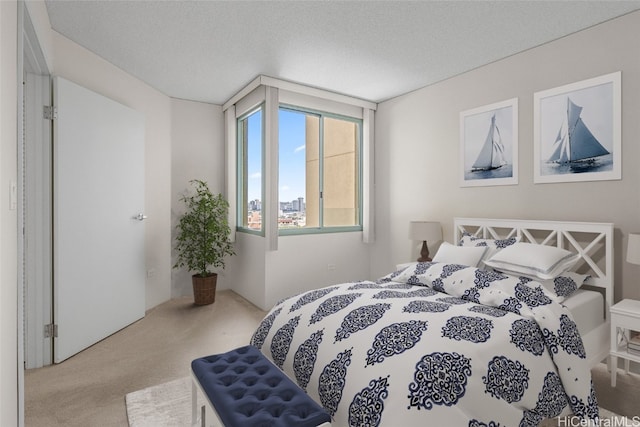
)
(246, 390)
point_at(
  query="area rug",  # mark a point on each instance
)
(169, 405)
(164, 405)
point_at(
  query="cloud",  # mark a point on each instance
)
(300, 148)
(285, 188)
(255, 175)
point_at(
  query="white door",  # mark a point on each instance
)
(99, 270)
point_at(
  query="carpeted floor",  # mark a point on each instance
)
(89, 389)
(164, 405)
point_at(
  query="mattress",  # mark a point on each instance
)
(587, 308)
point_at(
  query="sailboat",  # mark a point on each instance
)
(575, 142)
(492, 154)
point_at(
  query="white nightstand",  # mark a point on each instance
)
(625, 316)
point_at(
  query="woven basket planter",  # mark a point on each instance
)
(204, 289)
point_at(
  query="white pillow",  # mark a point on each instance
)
(464, 255)
(534, 261)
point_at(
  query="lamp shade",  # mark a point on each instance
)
(429, 231)
(633, 249)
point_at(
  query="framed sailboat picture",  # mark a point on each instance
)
(489, 145)
(577, 131)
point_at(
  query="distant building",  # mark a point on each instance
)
(255, 205)
(254, 220)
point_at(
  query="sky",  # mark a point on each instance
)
(292, 155)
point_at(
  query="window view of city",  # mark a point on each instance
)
(291, 214)
(318, 173)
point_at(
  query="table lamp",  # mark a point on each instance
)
(633, 248)
(427, 231)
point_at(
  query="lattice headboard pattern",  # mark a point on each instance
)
(592, 241)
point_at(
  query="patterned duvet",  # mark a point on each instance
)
(433, 345)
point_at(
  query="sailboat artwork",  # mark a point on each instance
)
(575, 145)
(577, 131)
(489, 145)
(492, 154)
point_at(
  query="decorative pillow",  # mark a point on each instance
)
(464, 255)
(565, 285)
(470, 240)
(535, 261)
(492, 245)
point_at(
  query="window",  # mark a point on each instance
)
(319, 171)
(299, 161)
(250, 167)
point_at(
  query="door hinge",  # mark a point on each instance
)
(51, 330)
(50, 112)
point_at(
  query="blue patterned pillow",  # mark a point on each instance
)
(565, 285)
(470, 240)
(493, 245)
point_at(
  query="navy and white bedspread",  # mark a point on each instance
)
(434, 344)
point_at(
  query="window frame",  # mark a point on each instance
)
(273, 91)
(240, 169)
(359, 174)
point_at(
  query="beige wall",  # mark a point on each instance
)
(340, 163)
(417, 143)
(197, 152)
(312, 178)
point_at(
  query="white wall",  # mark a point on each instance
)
(81, 66)
(8, 217)
(417, 141)
(300, 264)
(246, 271)
(197, 152)
(312, 261)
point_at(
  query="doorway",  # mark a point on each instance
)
(35, 195)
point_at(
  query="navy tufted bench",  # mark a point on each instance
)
(243, 388)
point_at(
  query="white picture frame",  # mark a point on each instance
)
(589, 148)
(482, 131)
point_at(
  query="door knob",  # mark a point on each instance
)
(140, 217)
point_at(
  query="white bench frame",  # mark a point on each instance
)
(207, 416)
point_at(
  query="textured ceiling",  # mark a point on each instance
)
(374, 50)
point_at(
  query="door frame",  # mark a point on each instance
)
(34, 289)
(36, 201)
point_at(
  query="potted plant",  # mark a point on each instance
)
(202, 240)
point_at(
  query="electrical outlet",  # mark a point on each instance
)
(331, 266)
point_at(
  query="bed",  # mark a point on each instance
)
(455, 344)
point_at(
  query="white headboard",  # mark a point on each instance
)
(592, 241)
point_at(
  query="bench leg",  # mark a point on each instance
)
(194, 404)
